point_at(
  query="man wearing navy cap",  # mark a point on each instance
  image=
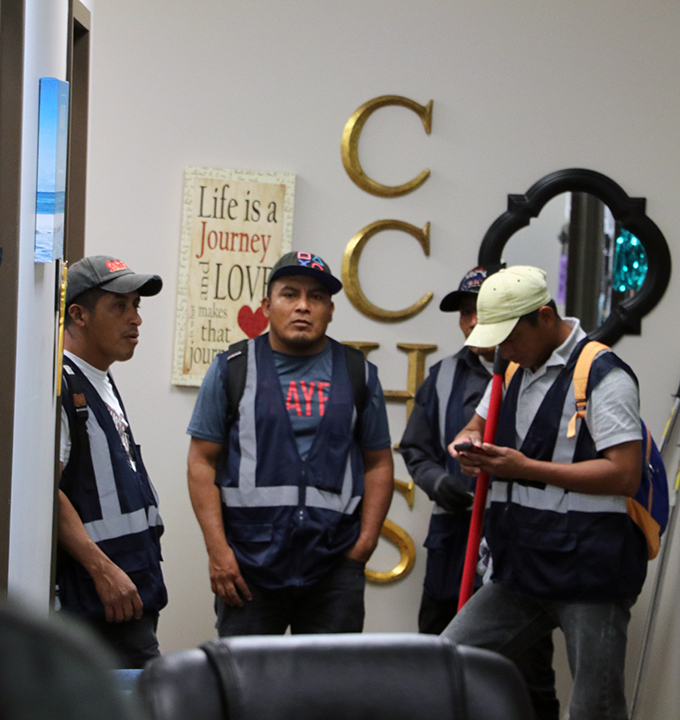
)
(108, 571)
(443, 405)
(291, 488)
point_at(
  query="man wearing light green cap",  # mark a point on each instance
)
(565, 551)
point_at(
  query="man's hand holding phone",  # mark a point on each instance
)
(467, 449)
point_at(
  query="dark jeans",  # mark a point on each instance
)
(535, 664)
(134, 642)
(334, 604)
(595, 636)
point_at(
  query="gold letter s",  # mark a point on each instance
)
(350, 145)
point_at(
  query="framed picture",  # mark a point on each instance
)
(52, 146)
(235, 225)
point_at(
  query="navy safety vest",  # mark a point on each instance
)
(288, 519)
(557, 544)
(449, 398)
(117, 504)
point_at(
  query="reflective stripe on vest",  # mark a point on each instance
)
(444, 386)
(113, 523)
(247, 493)
(556, 499)
(553, 498)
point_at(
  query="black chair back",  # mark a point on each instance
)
(334, 677)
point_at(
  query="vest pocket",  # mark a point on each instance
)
(547, 561)
(327, 462)
(445, 559)
(251, 532)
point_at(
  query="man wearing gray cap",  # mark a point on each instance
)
(291, 490)
(108, 570)
(565, 551)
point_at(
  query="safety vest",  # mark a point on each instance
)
(116, 503)
(558, 544)
(288, 518)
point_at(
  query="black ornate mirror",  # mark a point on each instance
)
(609, 263)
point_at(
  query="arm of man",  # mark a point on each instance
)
(422, 451)
(425, 459)
(378, 490)
(421, 445)
(226, 580)
(115, 588)
(616, 473)
(613, 412)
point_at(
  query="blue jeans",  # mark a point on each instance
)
(535, 664)
(334, 604)
(595, 633)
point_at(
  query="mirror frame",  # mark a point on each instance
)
(629, 212)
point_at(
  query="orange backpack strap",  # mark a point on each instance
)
(581, 372)
(509, 372)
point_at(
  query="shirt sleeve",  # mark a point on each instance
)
(210, 412)
(65, 439)
(613, 410)
(375, 433)
(483, 408)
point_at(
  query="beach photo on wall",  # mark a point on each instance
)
(52, 147)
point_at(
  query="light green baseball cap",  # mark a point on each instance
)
(503, 299)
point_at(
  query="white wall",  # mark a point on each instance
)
(34, 417)
(520, 89)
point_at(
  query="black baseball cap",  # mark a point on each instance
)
(469, 285)
(304, 263)
(109, 274)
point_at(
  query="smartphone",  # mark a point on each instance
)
(468, 447)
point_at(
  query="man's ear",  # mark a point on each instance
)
(332, 311)
(77, 313)
(266, 302)
(547, 316)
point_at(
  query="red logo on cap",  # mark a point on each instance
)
(114, 265)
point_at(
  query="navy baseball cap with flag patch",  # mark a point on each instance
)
(108, 273)
(469, 285)
(304, 263)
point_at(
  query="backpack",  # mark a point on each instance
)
(649, 508)
(237, 360)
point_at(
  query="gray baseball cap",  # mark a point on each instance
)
(109, 274)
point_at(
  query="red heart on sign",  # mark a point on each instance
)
(252, 323)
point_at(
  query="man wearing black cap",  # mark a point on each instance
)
(444, 404)
(291, 493)
(109, 569)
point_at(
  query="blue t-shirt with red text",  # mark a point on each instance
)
(305, 384)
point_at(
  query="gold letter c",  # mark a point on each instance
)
(350, 270)
(350, 145)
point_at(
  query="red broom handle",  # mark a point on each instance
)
(482, 487)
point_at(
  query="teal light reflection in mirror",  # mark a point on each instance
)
(630, 263)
